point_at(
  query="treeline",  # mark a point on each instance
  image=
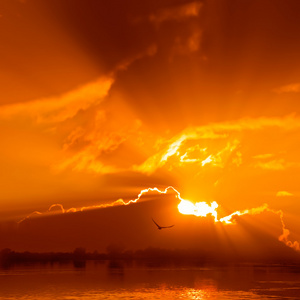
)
(9, 257)
(79, 256)
(149, 255)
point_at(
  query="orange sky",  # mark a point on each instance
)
(100, 100)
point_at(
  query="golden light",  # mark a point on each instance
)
(199, 209)
(206, 161)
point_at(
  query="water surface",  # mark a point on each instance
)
(116, 280)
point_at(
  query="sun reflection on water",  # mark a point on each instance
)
(96, 282)
(167, 294)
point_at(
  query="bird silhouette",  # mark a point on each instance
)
(161, 227)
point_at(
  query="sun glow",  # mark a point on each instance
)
(206, 161)
(199, 209)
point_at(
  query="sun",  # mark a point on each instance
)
(199, 209)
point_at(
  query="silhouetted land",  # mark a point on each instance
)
(150, 256)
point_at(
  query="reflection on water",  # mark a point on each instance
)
(114, 280)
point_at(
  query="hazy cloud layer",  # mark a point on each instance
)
(176, 13)
(290, 88)
(283, 194)
(59, 109)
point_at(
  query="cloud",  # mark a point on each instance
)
(283, 194)
(86, 146)
(186, 34)
(278, 164)
(226, 133)
(263, 156)
(91, 135)
(59, 209)
(289, 88)
(60, 108)
(184, 45)
(77, 120)
(150, 51)
(284, 237)
(172, 149)
(176, 13)
(85, 125)
(67, 105)
(185, 207)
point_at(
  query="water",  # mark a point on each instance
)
(120, 281)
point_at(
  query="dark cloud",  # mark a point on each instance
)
(252, 238)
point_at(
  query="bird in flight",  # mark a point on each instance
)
(161, 227)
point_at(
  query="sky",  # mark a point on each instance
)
(102, 99)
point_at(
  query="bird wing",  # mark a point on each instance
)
(156, 223)
(167, 226)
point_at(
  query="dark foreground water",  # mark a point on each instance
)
(119, 281)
